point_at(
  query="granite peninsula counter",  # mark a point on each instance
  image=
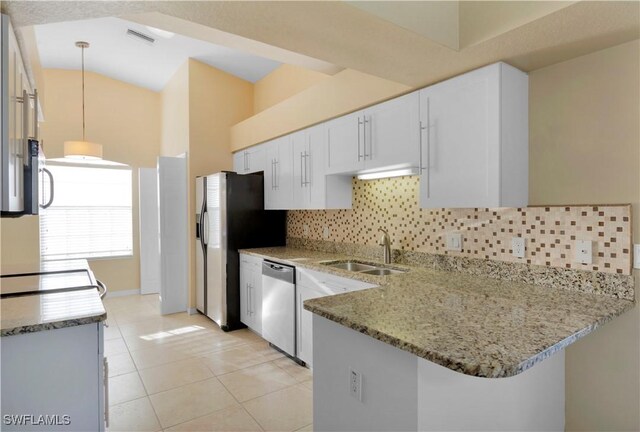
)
(48, 309)
(415, 352)
(475, 325)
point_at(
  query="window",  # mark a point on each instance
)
(91, 215)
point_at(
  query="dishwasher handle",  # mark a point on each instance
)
(279, 271)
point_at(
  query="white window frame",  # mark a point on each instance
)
(99, 164)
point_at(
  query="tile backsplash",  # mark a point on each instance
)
(550, 232)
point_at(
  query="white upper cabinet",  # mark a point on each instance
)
(312, 188)
(278, 178)
(345, 146)
(249, 161)
(475, 140)
(383, 136)
(391, 136)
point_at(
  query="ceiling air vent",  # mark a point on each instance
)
(141, 37)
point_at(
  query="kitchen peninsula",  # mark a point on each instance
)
(444, 350)
(52, 350)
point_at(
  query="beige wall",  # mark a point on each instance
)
(125, 119)
(175, 113)
(344, 92)
(283, 83)
(217, 101)
(585, 148)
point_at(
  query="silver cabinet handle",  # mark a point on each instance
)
(275, 170)
(301, 169)
(364, 139)
(51, 188)
(307, 165)
(359, 153)
(35, 114)
(106, 391)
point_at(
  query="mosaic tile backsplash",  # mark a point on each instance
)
(550, 232)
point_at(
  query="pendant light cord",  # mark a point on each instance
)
(83, 123)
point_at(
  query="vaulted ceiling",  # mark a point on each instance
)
(329, 36)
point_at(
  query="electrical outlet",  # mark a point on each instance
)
(355, 384)
(518, 247)
(584, 251)
(454, 242)
(305, 230)
(325, 233)
(636, 256)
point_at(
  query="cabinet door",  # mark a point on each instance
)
(460, 141)
(345, 148)
(255, 291)
(305, 319)
(278, 174)
(299, 185)
(256, 159)
(245, 315)
(270, 196)
(239, 162)
(392, 133)
(315, 173)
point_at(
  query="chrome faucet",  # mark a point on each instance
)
(385, 242)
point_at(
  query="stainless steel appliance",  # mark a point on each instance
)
(279, 306)
(230, 216)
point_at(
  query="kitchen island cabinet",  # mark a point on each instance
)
(53, 368)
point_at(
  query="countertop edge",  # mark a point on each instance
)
(475, 370)
(71, 322)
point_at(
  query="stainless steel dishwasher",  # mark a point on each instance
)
(279, 306)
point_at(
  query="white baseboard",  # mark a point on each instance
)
(123, 293)
(192, 311)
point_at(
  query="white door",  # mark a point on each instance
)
(255, 159)
(239, 162)
(460, 141)
(255, 295)
(172, 187)
(149, 231)
(345, 153)
(392, 133)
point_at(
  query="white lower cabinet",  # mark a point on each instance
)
(59, 372)
(251, 292)
(312, 284)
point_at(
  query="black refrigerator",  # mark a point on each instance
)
(230, 216)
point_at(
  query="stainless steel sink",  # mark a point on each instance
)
(360, 267)
(351, 266)
(382, 271)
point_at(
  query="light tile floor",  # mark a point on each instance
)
(181, 372)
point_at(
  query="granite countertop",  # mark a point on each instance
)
(49, 310)
(474, 325)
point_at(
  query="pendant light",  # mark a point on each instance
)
(82, 149)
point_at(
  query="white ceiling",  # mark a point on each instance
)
(116, 55)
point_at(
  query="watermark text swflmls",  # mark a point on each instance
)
(36, 420)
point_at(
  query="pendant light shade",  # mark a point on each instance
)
(82, 149)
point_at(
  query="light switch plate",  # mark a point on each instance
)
(636, 256)
(518, 247)
(584, 251)
(454, 242)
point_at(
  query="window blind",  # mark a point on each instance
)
(91, 215)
